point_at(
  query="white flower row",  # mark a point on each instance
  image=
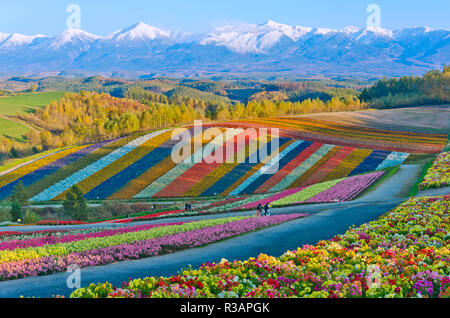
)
(302, 168)
(393, 159)
(88, 171)
(184, 166)
(271, 167)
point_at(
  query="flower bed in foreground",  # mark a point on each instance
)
(403, 254)
(106, 248)
(439, 173)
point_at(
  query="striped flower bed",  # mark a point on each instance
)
(302, 168)
(304, 150)
(371, 162)
(144, 168)
(198, 171)
(88, 171)
(349, 135)
(271, 198)
(239, 172)
(393, 159)
(392, 252)
(265, 165)
(47, 170)
(105, 182)
(35, 165)
(332, 164)
(305, 194)
(119, 245)
(438, 175)
(346, 189)
(272, 167)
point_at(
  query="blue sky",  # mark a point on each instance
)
(105, 16)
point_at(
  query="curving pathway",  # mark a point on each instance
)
(324, 222)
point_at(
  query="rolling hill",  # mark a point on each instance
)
(143, 167)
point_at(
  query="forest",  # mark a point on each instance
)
(84, 117)
(432, 88)
(96, 108)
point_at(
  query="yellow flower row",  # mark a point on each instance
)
(19, 173)
(96, 179)
(138, 184)
(220, 171)
(348, 164)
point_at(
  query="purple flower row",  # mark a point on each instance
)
(140, 249)
(51, 240)
(273, 198)
(346, 189)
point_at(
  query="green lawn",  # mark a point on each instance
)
(12, 105)
(22, 103)
(12, 129)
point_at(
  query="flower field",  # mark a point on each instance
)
(439, 173)
(349, 135)
(53, 252)
(405, 253)
(141, 167)
(345, 189)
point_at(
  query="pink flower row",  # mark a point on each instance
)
(139, 249)
(276, 197)
(346, 189)
(51, 240)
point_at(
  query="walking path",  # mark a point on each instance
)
(325, 221)
(273, 241)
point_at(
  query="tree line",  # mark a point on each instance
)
(85, 117)
(432, 88)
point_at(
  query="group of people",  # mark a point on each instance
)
(260, 208)
(187, 207)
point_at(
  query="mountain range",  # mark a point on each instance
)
(270, 49)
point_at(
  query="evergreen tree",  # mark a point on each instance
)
(75, 204)
(19, 195)
(16, 211)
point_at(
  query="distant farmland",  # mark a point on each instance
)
(24, 103)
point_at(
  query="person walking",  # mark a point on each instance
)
(266, 209)
(259, 209)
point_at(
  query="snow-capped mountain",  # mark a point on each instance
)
(268, 48)
(254, 38)
(72, 38)
(138, 32)
(17, 40)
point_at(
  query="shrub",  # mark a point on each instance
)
(31, 217)
(5, 214)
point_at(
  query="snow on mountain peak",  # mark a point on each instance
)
(252, 38)
(74, 37)
(3, 36)
(349, 29)
(140, 31)
(17, 40)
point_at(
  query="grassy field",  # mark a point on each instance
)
(12, 129)
(10, 106)
(23, 103)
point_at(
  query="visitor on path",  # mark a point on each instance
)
(259, 209)
(266, 209)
